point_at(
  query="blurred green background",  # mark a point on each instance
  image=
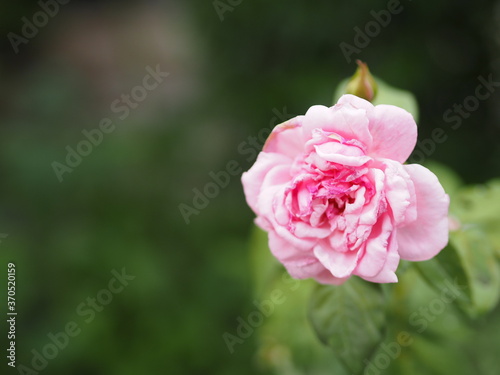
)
(120, 206)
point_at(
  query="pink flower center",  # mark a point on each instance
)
(318, 197)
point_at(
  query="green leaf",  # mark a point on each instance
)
(470, 257)
(483, 273)
(440, 357)
(480, 204)
(467, 261)
(350, 319)
(287, 342)
(444, 268)
(386, 94)
(287, 345)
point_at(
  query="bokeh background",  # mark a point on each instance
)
(120, 206)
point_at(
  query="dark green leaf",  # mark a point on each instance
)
(468, 261)
(476, 253)
(350, 319)
(446, 267)
(480, 204)
(286, 343)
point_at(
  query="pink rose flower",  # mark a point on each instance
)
(331, 190)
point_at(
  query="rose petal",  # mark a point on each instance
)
(286, 138)
(340, 264)
(252, 179)
(356, 102)
(400, 193)
(375, 252)
(428, 234)
(336, 152)
(388, 272)
(326, 277)
(269, 201)
(305, 230)
(394, 133)
(344, 120)
(299, 264)
(374, 207)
